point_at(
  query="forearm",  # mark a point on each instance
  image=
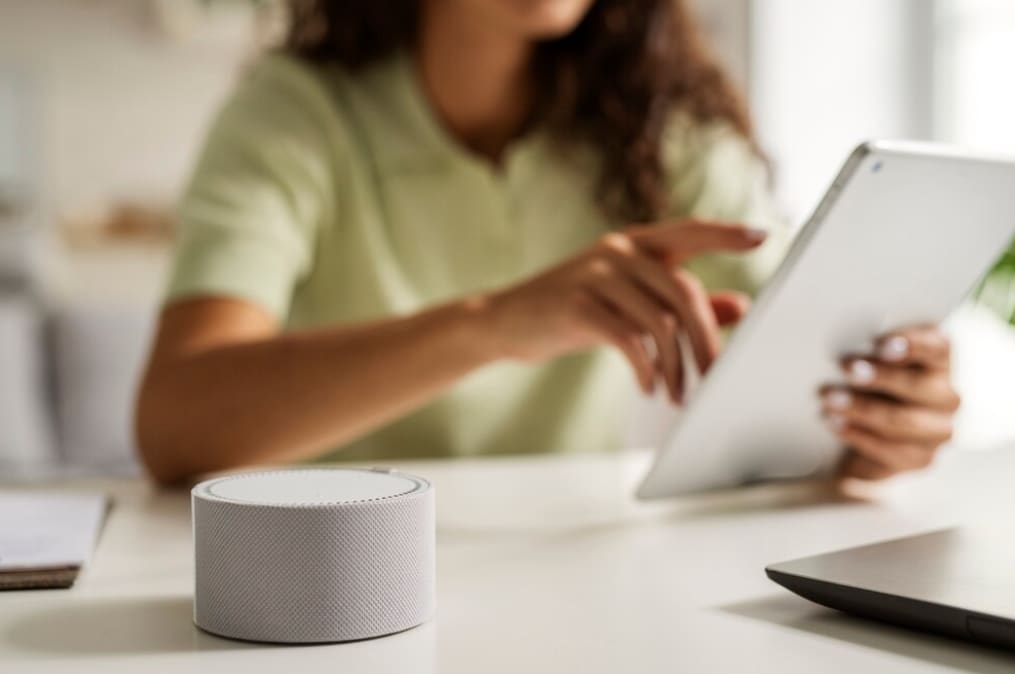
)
(293, 396)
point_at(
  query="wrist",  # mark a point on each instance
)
(476, 332)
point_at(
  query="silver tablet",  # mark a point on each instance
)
(901, 237)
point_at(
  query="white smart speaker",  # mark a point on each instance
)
(315, 555)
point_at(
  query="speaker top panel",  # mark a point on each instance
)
(311, 487)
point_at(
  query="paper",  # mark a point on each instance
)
(47, 536)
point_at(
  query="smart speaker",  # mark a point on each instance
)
(300, 556)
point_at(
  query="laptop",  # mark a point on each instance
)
(957, 582)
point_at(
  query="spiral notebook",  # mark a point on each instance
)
(47, 538)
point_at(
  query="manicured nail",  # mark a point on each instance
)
(861, 372)
(835, 422)
(894, 348)
(838, 399)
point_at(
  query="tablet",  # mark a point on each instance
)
(901, 237)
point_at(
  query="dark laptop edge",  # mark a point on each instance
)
(911, 613)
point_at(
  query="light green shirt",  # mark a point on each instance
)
(327, 197)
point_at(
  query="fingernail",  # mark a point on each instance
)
(755, 234)
(861, 372)
(838, 399)
(894, 348)
(835, 422)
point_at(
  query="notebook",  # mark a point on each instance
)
(46, 538)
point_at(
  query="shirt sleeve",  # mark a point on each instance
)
(263, 184)
(715, 174)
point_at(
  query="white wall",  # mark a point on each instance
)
(121, 104)
(728, 25)
(825, 76)
(115, 97)
(975, 97)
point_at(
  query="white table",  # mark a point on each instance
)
(545, 565)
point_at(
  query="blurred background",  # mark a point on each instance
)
(103, 105)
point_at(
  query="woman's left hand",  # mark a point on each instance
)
(897, 405)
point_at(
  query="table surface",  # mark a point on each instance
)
(545, 564)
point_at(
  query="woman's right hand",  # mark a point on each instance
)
(627, 287)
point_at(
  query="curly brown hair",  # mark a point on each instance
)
(613, 82)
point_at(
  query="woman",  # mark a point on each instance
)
(410, 233)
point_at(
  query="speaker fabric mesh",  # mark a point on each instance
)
(313, 572)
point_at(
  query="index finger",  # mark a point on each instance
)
(924, 345)
(677, 241)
